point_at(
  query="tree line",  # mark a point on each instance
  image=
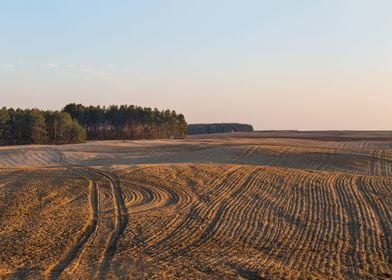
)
(76, 123)
(218, 128)
(34, 126)
(127, 122)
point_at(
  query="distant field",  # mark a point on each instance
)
(332, 135)
(271, 205)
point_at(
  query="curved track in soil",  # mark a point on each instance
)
(120, 219)
(289, 221)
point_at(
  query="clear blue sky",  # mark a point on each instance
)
(310, 64)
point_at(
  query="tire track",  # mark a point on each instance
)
(120, 222)
(88, 230)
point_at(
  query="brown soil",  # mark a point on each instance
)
(229, 207)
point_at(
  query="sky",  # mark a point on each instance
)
(305, 64)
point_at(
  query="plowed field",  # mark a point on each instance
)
(243, 207)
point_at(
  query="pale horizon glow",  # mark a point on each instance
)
(300, 65)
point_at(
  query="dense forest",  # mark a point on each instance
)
(33, 126)
(218, 128)
(75, 123)
(127, 122)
